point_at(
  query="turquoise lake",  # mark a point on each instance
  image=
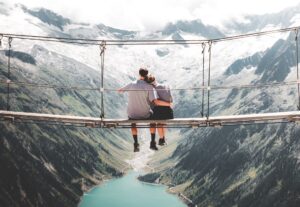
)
(127, 191)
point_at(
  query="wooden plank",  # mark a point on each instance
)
(167, 121)
(191, 122)
(276, 116)
(26, 116)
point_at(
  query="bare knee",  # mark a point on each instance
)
(134, 130)
(152, 128)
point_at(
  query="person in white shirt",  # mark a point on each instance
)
(161, 112)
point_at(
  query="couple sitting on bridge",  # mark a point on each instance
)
(148, 100)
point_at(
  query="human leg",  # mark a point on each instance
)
(134, 133)
(152, 132)
(161, 131)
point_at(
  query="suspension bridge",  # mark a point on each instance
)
(206, 120)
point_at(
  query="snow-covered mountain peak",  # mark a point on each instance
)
(177, 65)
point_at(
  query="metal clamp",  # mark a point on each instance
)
(111, 125)
(203, 47)
(216, 124)
(102, 47)
(209, 45)
(91, 124)
(10, 39)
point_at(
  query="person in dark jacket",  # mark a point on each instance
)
(161, 112)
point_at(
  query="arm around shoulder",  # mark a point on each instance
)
(158, 102)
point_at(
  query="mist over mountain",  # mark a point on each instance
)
(49, 17)
(286, 18)
(254, 165)
(193, 27)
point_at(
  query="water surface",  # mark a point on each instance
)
(127, 191)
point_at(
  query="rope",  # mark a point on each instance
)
(297, 65)
(266, 85)
(8, 74)
(121, 43)
(102, 53)
(142, 42)
(208, 82)
(203, 81)
(212, 87)
(49, 86)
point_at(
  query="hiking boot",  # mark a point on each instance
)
(161, 142)
(153, 146)
(136, 147)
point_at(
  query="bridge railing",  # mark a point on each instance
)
(208, 92)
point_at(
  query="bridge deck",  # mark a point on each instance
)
(14, 116)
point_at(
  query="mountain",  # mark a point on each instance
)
(242, 166)
(45, 164)
(286, 18)
(278, 61)
(193, 27)
(252, 165)
(243, 63)
(48, 17)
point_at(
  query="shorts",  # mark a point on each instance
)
(149, 118)
(162, 112)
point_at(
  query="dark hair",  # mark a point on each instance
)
(143, 72)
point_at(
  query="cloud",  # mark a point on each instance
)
(149, 15)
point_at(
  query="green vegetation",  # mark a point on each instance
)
(51, 165)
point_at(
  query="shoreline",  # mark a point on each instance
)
(139, 164)
(180, 195)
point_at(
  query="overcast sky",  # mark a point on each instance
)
(149, 15)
